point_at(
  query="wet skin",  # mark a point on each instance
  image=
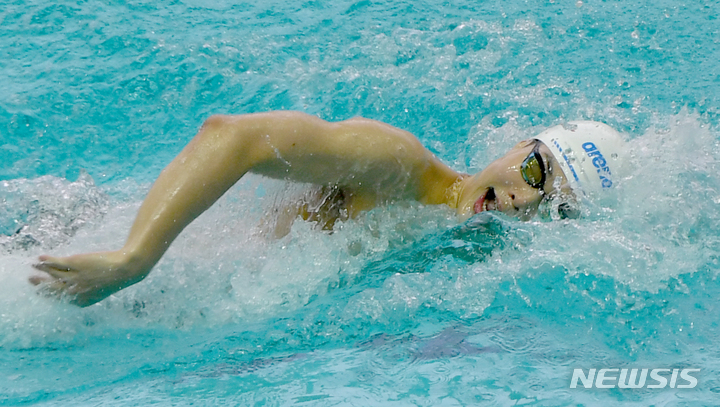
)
(372, 162)
(501, 186)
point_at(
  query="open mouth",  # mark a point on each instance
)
(486, 202)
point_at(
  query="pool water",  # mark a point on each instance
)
(404, 305)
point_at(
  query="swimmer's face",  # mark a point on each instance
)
(514, 184)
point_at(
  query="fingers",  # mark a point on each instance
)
(82, 279)
(61, 282)
(55, 288)
(54, 285)
(53, 268)
(57, 262)
(37, 280)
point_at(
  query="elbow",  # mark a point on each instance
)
(232, 131)
(216, 121)
(239, 138)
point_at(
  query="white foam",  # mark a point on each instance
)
(221, 270)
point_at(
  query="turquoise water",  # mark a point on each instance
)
(403, 306)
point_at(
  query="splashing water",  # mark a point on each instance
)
(404, 304)
(376, 275)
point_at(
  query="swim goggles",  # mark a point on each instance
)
(533, 168)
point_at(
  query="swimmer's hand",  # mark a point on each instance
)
(86, 278)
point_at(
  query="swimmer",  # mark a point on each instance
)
(367, 163)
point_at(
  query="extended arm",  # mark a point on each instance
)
(375, 161)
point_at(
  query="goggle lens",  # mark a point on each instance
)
(533, 169)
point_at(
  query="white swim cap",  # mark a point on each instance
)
(589, 153)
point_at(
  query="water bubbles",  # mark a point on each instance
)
(569, 126)
(47, 211)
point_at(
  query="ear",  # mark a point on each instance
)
(568, 210)
(565, 202)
